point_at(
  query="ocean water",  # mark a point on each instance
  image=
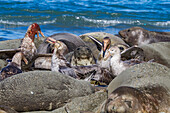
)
(82, 16)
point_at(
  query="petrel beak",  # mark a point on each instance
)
(50, 40)
(104, 49)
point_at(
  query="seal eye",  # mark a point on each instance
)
(78, 49)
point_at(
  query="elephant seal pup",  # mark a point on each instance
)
(81, 56)
(132, 100)
(140, 36)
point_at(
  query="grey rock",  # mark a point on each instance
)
(10, 44)
(41, 90)
(84, 104)
(3, 63)
(142, 75)
(160, 52)
(9, 47)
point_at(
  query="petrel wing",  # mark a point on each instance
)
(97, 42)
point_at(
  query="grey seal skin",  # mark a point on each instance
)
(140, 36)
(70, 40)
(132, 100)
(81, 56)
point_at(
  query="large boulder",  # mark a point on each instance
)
(159, 52)
(142, 75)
(140, 88)
(41, 90)
(87, 104)
(9, 47)
(3, 63)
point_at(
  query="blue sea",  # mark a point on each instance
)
(82, 16)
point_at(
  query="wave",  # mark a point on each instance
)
(26, 23)
(167, 23)
(112, 22)
(88, 22)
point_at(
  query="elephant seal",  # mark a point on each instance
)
(81, 56)
(158, 52)
(143, 87)
(70, 40)
(132, 100)
(140, 36)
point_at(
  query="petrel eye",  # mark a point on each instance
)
(128, 30)
(121, 48)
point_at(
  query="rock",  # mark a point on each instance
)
(142, 75)
(41, 90)
(85, 104)
(140, 88)
(10, 44)
(6, 109)
(159, 52)
(3, 63)
(13, 45)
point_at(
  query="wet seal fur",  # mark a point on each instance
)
(81, 56)
(70, 40)
(140, 36)
(132, 100)
(146, 85)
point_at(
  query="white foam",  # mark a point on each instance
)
(112, 22)
(26, 23)
(167, 23)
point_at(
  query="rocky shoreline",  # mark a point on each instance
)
(42, 91)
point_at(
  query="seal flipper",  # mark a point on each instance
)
(97, 42)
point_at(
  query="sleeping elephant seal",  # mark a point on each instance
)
(140, 36)
(70, 40)
(143, 88)
(158, 52)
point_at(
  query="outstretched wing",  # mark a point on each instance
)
(97, 42)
